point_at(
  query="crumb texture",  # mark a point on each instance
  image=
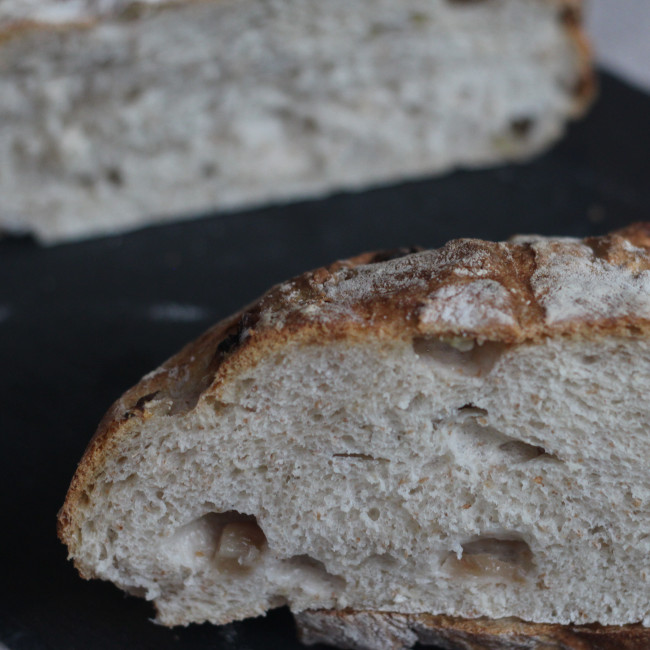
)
(123, 112)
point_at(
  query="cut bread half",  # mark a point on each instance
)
(396, 437)
(125, 113)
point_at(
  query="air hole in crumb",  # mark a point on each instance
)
(114, 176)
(521, 452)
(309, 124)
(314, 574)
(247, 384)
(418, 18)
(378, 29)
(522, 126)
(209, 170)
(600, 537)
(590, 359)
(358, 456)
(492, 558)
(480, 440)
(473, 410)
(385, 560)
(133, 94)
(85, 180)
(374, 514)
(240, 546)
(419, 402)
(232, 541)
(464, 356)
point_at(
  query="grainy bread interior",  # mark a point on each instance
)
(461, 431)
(124, 113)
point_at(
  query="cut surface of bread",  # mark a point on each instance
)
(126, 113)
(458, 432)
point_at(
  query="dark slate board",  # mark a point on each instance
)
(79, 323)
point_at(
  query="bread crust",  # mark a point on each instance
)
(358, 630)
(513, 293)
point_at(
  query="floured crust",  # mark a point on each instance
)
(517, 292)
(367, 630)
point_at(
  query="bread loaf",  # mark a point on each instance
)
(123, 113)
(446, 442)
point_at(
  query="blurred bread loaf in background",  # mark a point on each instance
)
(116, 114)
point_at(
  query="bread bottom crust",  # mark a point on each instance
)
(373, 630)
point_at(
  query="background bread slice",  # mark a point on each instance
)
(125, 113)
(389, 631)
(459, 432)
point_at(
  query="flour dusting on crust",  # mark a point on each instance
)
(571, 282)
(469, 306)
(522, 290)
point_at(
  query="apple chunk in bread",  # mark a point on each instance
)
(460, 432)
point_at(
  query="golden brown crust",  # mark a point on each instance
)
(182, 377)
(344, 627)
(517, 292)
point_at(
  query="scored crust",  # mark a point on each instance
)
(516, 292)
(367, 630)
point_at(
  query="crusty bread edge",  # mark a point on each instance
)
(372, 630)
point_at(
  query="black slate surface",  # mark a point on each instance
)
(79, 323)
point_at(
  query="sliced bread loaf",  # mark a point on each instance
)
(459, 432)
(120, 113)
